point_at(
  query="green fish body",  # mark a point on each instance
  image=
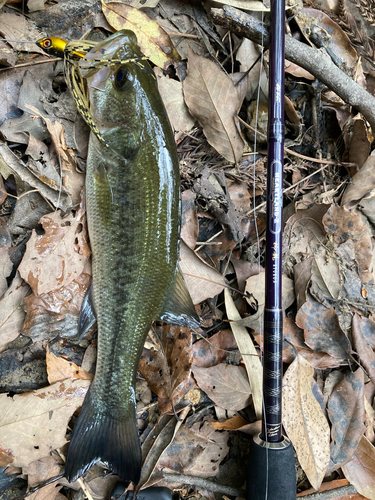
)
(133, 212)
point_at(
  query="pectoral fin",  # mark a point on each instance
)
(178, 308)
(87, 315)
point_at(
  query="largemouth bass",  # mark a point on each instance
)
(133, 212)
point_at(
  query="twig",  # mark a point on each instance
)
(316, 62)
(33, 63)
(327, 495)
(205, 484)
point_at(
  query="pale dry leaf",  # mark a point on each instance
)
(248, 352)
(202, 281)
(173, 98)
(59, 369)
(213, 100)
(6, 266)
(57, 257)
(56, 130)
(12, 313)
(360, 471)
(247, 5)
(16, 27)
(228, 386)
(362, 185)
(304, 421)
(34, 424)
(154, 42)
(255, 287)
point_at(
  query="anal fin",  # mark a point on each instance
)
(178, 307)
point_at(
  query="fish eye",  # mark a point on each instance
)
(47, 43)
(123, 78)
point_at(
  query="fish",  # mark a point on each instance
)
(134, 214)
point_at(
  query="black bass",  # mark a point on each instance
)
(133, 211)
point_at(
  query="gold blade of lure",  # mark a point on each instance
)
(74, 53)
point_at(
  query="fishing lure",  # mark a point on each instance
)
(80, 59)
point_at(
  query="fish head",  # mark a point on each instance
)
(119, 88)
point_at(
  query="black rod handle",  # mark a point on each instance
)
(271, 471)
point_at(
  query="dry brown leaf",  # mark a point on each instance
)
(56, 130)
(360, 471)
(57, 257)
(35, 423)
(12, 313)
(213, 99)
(322, 329)
(59, 369)
(167, 371)
(16, 27)
(248, 352)
(347, 414)
(202, 281)
(362, 346)
(346, 225)
(304, 421)
(189, 218)
(228, 386)
(197, 451)
(6, 266)
(362, 185)
(360, 144)
(255, 286)
(152, 39)
(56, 313)
(212, 351)
(173, 98)
(41, 470)
(232, 424)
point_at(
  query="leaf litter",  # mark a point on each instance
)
(209, 377)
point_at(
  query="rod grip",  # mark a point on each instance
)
(271, 471)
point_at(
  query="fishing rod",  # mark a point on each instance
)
(271, 468)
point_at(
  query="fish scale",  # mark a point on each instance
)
(133, 213)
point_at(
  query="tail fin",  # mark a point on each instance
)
(100, 435)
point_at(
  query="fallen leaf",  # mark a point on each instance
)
(59, 369)
(345, 225)
(12, 313)
(6, 266)
(40, 471)
(173, 99)
(228, 386)
(157, 441)
(167, 371)
(34, 424)
(197, 451)
(30, 208)
(362, 185)
(360, 471)
(322, 329)
(189, 218)
(347, 414)
(57, 257)
(56, 313)
(152, 39)
(255, 288)
(202, 281)
(212, 351)
(232, 424)
(16, 27)
(360, 144)
(305, 422)
(249, 354)
(247, 5)
(213, 100)
(363, 346)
